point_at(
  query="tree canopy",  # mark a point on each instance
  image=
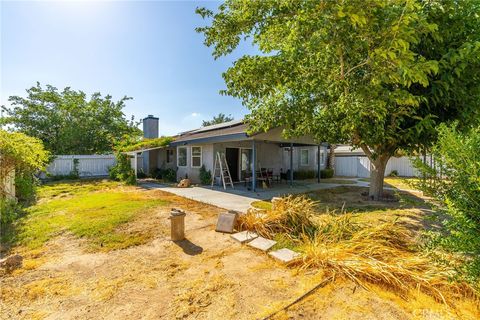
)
(69, 122)
(380, 75)
(220, 118)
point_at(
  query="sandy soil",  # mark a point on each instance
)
(207, 276)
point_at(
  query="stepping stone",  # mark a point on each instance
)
(226, 222)
(284, 255)
(244, 236)
(262, 243)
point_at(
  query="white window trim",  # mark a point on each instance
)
(178, 157)
(308, 158)
(201, 156)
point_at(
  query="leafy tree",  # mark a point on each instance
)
(456, 184)
(20, 157)
(220, 118)
(68, 122)
(380, 75)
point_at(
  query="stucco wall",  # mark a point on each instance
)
(191, 172)
(162, 159)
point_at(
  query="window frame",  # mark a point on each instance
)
(178, 157)
(308, 158)
(196, 156)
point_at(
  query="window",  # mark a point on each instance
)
(304, 157)
(169, 155)
(182, 157)
(196, 157)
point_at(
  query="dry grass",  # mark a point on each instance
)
(290, 215)
(383, 253)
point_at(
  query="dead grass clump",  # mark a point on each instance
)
(201, 293)
(383, 254)
(379, 252)
(290, 215)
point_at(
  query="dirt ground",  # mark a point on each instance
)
(207, 276)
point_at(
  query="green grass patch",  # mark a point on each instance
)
(93, 211)
(264, 205)
(397, 182)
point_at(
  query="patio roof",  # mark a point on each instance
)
(237, 131)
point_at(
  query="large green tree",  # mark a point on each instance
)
(220, 118)
(380, 75)
(69, 122)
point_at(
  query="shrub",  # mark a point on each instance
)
(393, 173)
(454, 180)
(169, 175)
(24, 156)
(326, 173)
(303, 174)
(205, 176)
(122, 170)
(9, 209)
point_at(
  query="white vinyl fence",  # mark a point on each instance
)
(359, 166)
(87, 166)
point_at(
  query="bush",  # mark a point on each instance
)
(303, 174)
(9, 210)
(25, 187)
(326, 173)
(169, 175)
(205, 176)
(23, 156)
(454, 180)
(393, 173)
(122, 170)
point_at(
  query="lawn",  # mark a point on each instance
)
(98, 249)
(397, 182)
(92, 211)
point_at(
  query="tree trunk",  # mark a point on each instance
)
(331, 157)
(377, 174)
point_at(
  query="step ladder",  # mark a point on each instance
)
(221, 167)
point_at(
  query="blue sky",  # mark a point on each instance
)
(146, 50)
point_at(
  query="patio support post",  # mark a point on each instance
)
(318, 165)
(291, 164)
(254, 169)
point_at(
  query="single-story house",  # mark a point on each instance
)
(244, 153)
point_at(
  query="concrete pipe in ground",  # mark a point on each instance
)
(177, 223)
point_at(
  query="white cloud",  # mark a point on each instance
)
(195, 114)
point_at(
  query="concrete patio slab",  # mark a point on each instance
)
(244, 236)
(262, 244)
(284, 255)
(237, 199)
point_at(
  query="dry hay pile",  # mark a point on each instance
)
(383, 253)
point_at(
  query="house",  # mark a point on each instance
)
(245, 153)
